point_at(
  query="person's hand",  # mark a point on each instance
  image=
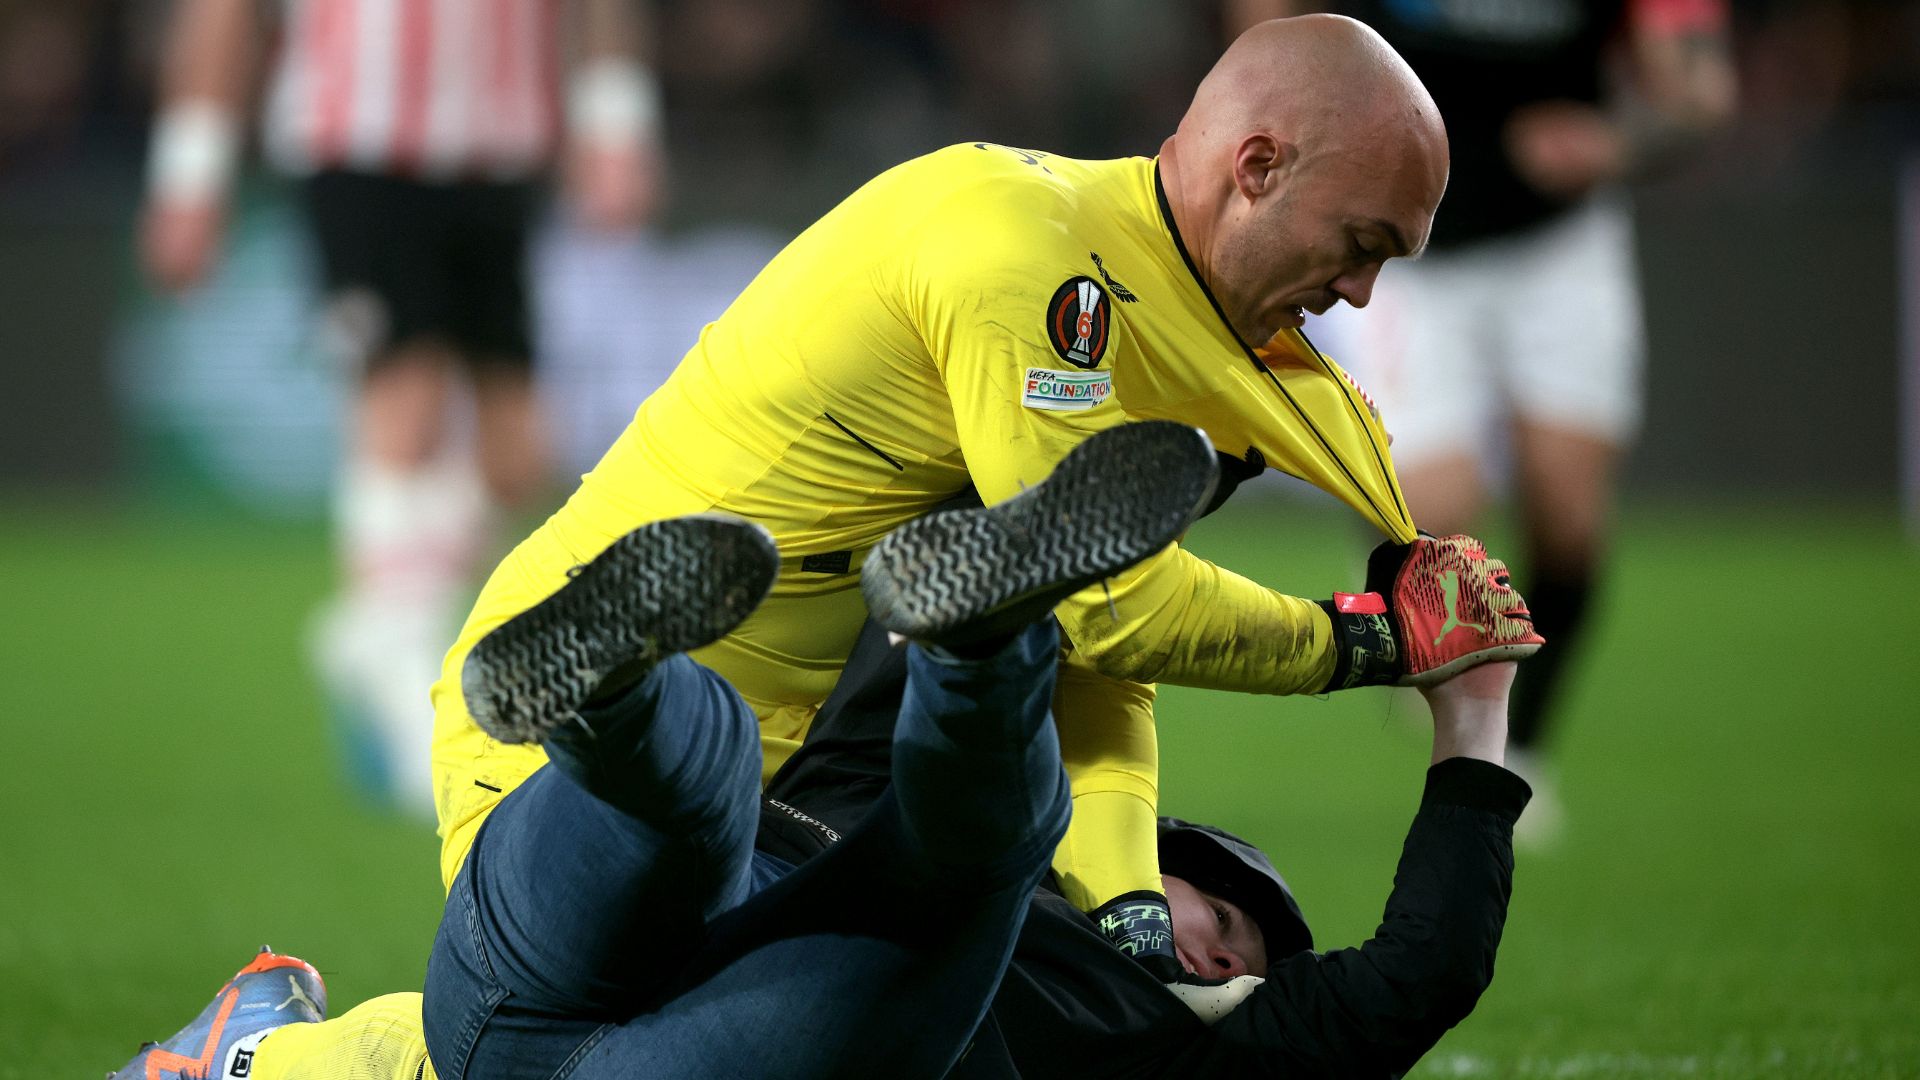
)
(615, 186)
(1470, 712)
(1489, 682)
(1563, 149)
(179, 240)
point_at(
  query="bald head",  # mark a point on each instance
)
(1313, 116)
(1313, 80)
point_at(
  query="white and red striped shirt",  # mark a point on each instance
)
(438, 89)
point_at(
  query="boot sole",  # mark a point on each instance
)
(664, 588)
(968, 575)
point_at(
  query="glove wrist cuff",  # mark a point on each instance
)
(1365, 652)
(1140, 925)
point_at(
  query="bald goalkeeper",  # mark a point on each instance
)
(969, 317)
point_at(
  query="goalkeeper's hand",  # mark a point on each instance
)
(1140, 924)
(1432, 609)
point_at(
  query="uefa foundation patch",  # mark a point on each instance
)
(1066, 391)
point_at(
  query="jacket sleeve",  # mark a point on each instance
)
(979, 290)
(1374, 1010)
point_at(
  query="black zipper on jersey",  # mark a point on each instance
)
(877, 452)
(1349, 393)
(1173, 230)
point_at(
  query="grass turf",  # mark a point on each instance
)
(1733, 896)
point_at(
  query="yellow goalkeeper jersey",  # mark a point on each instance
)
(966, 317)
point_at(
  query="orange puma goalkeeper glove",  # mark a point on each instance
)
(1432, 609)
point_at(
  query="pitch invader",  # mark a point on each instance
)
(649, 809)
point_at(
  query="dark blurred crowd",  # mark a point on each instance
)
(776, 108)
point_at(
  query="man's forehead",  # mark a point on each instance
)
(1400, 243)
(1396, 239)
(1394, 195)
(1396, 203)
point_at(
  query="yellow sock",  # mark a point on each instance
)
(380, 1039)
(1112, 757)
(1111, 849)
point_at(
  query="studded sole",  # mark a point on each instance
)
(967, 575)
(666, 587)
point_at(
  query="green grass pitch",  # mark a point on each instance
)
(1737, 895)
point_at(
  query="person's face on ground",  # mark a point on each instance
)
(1213, 938)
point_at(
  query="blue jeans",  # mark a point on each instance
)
(614, 920)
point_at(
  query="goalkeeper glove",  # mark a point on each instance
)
(1432, 609)
(1141, 925)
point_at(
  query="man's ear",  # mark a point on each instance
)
(1262, 165)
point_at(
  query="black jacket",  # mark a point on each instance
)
(1073, 1006)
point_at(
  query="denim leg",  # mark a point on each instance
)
(678, 754)
(591, 883)
(976, 760)
(880, 956)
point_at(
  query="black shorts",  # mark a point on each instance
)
(409, 262)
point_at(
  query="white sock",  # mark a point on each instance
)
(409, 543)
(411, 534)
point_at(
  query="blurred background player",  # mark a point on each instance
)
(422, 132)
(1522, 327)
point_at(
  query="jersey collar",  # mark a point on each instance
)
(1179, 245)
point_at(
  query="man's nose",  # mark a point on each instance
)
(1356, 286)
